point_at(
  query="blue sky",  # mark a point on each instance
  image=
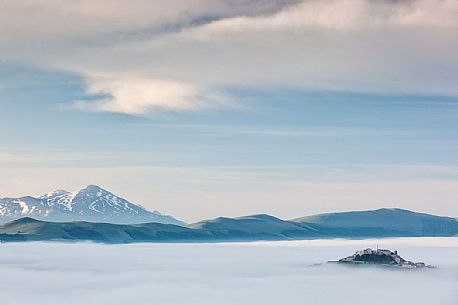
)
(195, 124)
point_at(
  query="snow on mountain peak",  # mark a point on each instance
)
(91, 203)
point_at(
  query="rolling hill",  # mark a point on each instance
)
(28, 229)
(381, 222)
(259, 226)
(362, 224)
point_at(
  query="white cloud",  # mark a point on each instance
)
(138, 96)
(266, 273)
(189, 49)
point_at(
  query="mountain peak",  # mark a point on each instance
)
(92, 188)
(91, 203)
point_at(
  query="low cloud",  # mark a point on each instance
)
(251, 273)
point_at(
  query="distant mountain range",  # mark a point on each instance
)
(363, 224)
(92, 204)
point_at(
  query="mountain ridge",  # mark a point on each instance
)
(388, 219)
(246, 228)
(91, 203)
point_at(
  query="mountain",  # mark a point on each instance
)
(381, 222)
(362, 224)
(91, 203)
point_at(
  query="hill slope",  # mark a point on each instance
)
(254, 227)
(381, 222)
(28, 229)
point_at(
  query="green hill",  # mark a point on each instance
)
(381, 222)
(361, 224)
(256, 227)
(30, 229)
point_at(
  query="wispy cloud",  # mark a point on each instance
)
(9, 157)
(138, 96)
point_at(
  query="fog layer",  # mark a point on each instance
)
(245, 273)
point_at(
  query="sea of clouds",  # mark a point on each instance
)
(230, 273)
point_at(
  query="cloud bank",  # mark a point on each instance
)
(181, 55)
(252, 273)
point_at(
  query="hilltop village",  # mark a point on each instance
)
(381, 257)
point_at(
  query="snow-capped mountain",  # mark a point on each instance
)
(91, 203)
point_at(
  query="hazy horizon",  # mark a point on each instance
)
(242, 215)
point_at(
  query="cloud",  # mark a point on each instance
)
(138, 96)
(57, 23)
(350, 15)
(251, 273)
(190, 49)
(10, 160)
(8, 157)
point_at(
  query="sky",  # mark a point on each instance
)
(215, 108)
